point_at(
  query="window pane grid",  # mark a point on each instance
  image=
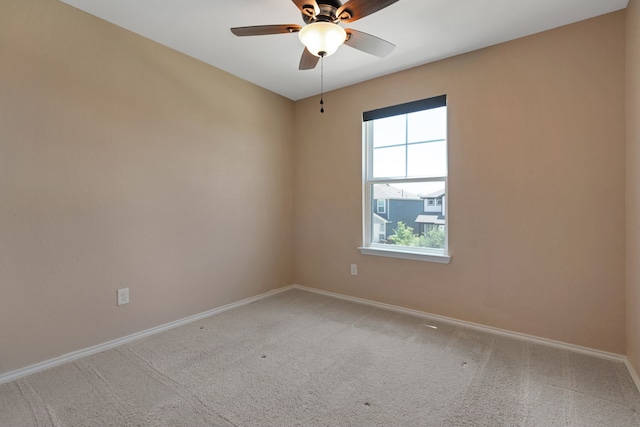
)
(422, 158)
(388, 180)
(426, 141)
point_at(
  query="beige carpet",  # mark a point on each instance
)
(303, 359)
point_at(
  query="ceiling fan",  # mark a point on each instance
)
(323, 35)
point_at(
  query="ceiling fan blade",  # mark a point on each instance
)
(356, 9)
(368, 43)
(263, 30)
(308, 7)
(308, 60)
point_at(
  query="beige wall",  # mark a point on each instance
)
(126, 164)
(536, 188)
(633, 182)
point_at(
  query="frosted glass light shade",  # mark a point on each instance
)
(322, 37)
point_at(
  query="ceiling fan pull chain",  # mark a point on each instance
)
(321, 83)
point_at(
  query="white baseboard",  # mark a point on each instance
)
(632, 372)
(69, 357)
(18, 373)
(496, 331)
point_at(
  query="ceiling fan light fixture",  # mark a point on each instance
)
(322, 38)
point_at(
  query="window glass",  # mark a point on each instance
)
(389, 162)
(427, 159)
(389, 131)
(427, 125)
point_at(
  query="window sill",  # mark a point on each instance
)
(406, 254)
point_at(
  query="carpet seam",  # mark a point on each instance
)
(109, 393)
(29, 401)
(154, 373)
(35, 395)
(526, 373)
(567, 385)
(591, 396)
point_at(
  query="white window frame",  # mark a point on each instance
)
(384, 206)
(387, 250)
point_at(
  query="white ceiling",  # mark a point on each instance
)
(423, 31)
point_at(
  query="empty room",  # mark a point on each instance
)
(319, 213)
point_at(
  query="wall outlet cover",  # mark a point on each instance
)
(123, 296)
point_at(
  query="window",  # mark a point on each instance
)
(405, 159)
(381, 206)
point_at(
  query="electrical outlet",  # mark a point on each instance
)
(123, 296)
(354, 269)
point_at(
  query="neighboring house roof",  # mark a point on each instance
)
(430, 219)
(378, 218)
(386, 191)
(435, 194)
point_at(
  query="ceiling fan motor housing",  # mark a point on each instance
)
(327, 12)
